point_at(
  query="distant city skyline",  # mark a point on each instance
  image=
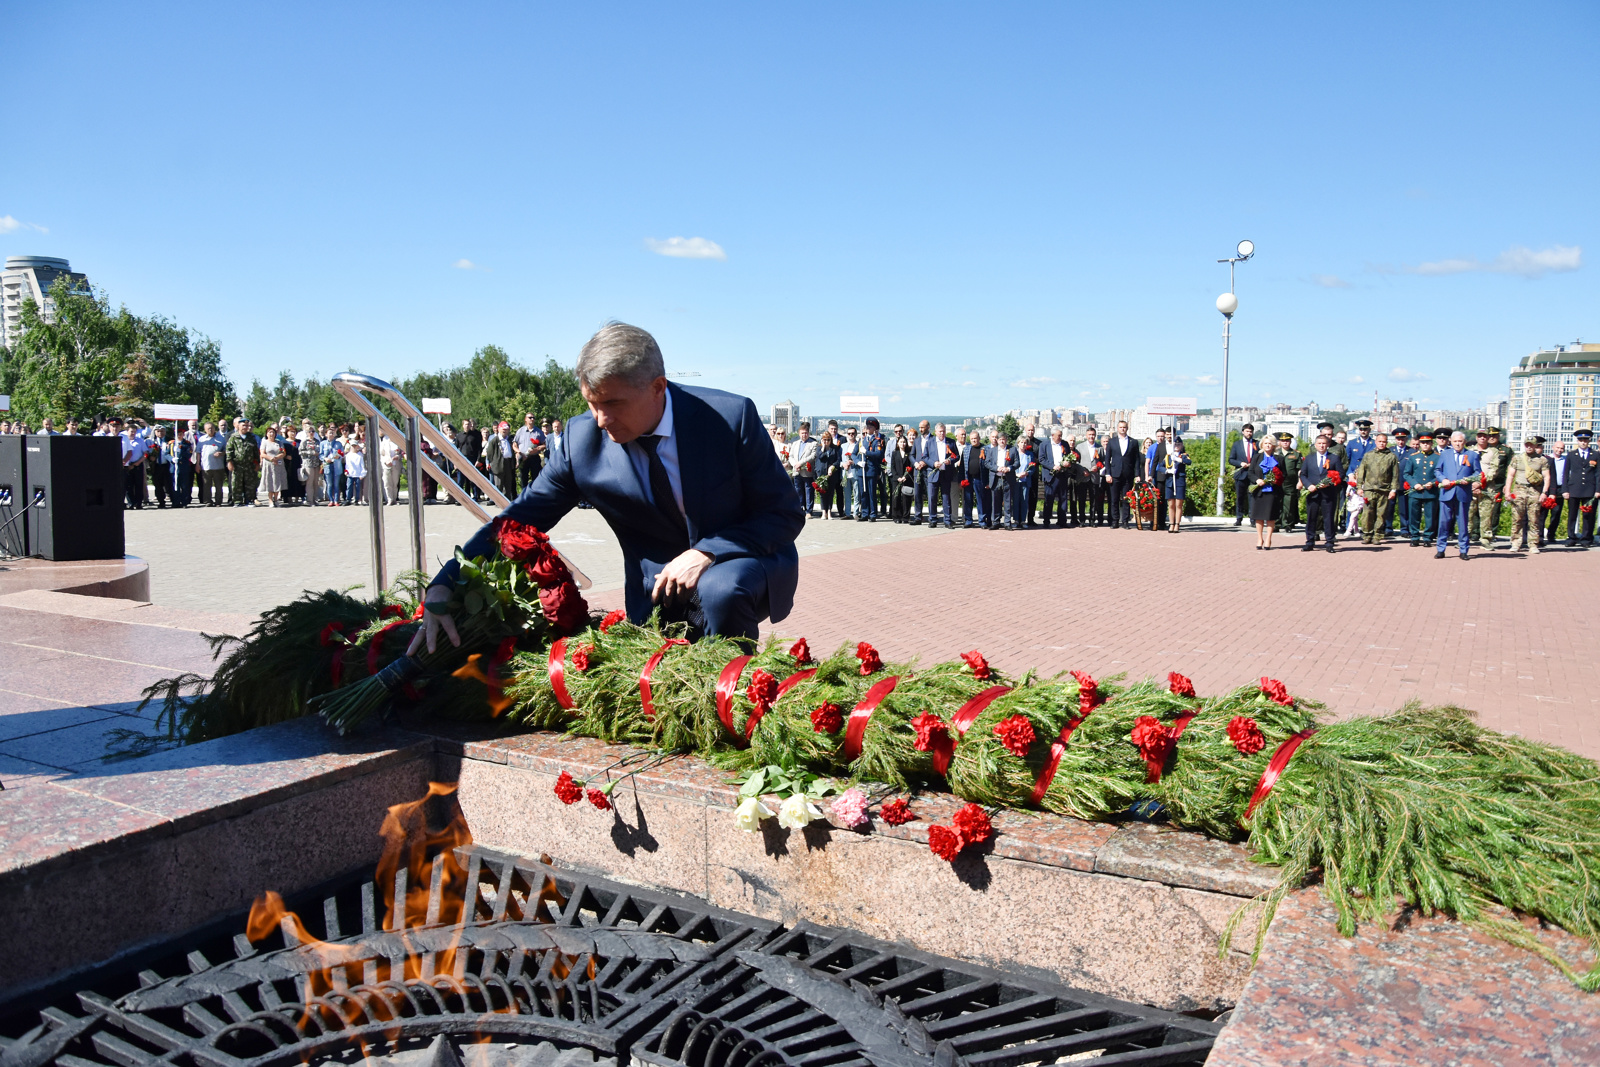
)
(944, 206)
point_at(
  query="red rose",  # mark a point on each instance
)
(801, 653)
(1406, 486)
(1179, 685)
(392, 611)
(518, 540)
(973, 824)
(611, 619)
(945, 843)
(1246, 735)
(568, 791)
(931, 731)
(965, 483)
(563, 607)
(1016, 734)
(546, 568)
(330, 634)
(897, 812)
(1335, 478)
(580, 657)
(1151, 739)
(827, 719)
(599, 800)
(870, 663)
(1276, 692)
(763, 689)
(979, 665)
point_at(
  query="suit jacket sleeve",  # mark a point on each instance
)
(542, 504)
(771, 508)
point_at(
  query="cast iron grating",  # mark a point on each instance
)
(540, 967)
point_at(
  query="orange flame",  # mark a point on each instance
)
(472, 670)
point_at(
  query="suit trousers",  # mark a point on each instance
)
(874, 498)
(730, 600)
(1121, 511)
(161, 482)
(185, 491)
(133, 485)
(974, 498)
(1552, 519)
(1321, 515)
(1099, 493)
(1002, 499)
(1078, 496)
(1422, 517)
(1053, 497)
(923, 486)
(528, 468)
(1241, 494)
(804, 490)
(1454, 512)
(1580, 525)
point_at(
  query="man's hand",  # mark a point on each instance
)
(1391, 494)
(679, 577)
(434, 615)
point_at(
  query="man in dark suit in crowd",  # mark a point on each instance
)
(1579, 486)
(1001, 461)
(1320, 494)
(974, 482)
(1089, 502)
(1558, 474)
(1056, 461)
(1124, 458)
(1152, 472)
(688, 481)
(1240, 456)
(1027, 478)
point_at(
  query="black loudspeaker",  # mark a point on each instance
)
(13, 495)
(80, 515)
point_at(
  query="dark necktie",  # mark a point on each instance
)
(661, 487)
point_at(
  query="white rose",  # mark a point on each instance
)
(796, 812)
(748, 815)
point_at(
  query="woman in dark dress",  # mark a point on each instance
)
(829, 457)
(900, 475)
(1265, 478)
(1174, 476)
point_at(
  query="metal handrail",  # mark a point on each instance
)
(352, 386)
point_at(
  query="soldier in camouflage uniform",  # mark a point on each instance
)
(1289, 456)
(1496, 460)
(244, 464)
(1528, 483)
(1378, 477)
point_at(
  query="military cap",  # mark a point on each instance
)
(1285, 435)
(1532, 440)
(1424, 435)
(1442, 431)
(1363, 422)
(1494, 431)
(1324, 425)
(1401, 431)
(1584, 433)
(1540, 440)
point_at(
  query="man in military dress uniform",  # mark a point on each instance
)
(1419, 472)
(1289, 456)
(1527, 482)
(244, 464)
(1378, 476)
(1579, 489)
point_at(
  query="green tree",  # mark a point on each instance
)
(258, 403)
(1009, 426)
(134, 390)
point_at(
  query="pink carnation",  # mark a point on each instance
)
(849, 809)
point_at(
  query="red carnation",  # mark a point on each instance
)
(945, 843)
(330, 633)
(1016, 734)
(973, 824)
(965, 483)
(568, 791)
(1276, 692)
(931, 731)
(518, 540)
(801, 653)
(1246, 735)
(1179, 685)
(392, 611)
(546, 568)
(827, 719)
(897, 812)
(599, 800)
(563, 606)
(1089, 696)
(979, 665)
(1335, 478)
(1406, 486)
(763, 689)
(870, 663)
(580, 657)
(611, 619)
(1152, 740)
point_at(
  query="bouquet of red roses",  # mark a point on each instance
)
(1271, 480)
(1549, 501)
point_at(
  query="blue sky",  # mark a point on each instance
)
(958, 208)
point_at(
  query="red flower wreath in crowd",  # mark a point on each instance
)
(1276, 692)
(870, 661)
(897, 812)
(801, 653)
(1246, 735)
(611, 619)
(1178, 685)
(979, 665)
(1016, 734)
(763, 690)
(827, 719)
(931, 731)
(568, 791)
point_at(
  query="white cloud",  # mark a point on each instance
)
(1032, 383)
(11, 225)
(918, 385)
(1524, 262)
(968, 385)
(467, 264)
(1207, 379)
(893, 399)
(1358, 379)
(686, 248)
(1400, 374)
(1330, 281)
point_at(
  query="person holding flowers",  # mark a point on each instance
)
(1320, 481)
(1458, 471)
(1527, 484)
(1264, 476)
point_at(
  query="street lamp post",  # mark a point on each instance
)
(1228, 303)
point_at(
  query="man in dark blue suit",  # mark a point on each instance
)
(687, 480)
(1458, 469)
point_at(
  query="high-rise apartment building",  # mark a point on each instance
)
(1553, 393)
(786, 416)
(30, 277)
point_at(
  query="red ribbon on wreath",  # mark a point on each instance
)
(558, 674)
(649, 669)
(727, 685)
(793, 680)
(377, 642)
(1275, 767)
(945, 747)
(1058, 748)
(857, 726)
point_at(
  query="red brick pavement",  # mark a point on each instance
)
(1362, 630)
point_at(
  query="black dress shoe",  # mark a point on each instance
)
(1307, 548)
(1332, 549)
(1238, 520)
(1439, 554)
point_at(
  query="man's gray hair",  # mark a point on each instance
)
(620, 352)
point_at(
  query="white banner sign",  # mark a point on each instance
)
(177, 411)
(5, 402)
(858, 405)
(1171, 405)
(436, 405)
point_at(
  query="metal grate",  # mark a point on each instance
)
(545, 966)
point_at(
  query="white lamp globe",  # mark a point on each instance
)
(1227, 303)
